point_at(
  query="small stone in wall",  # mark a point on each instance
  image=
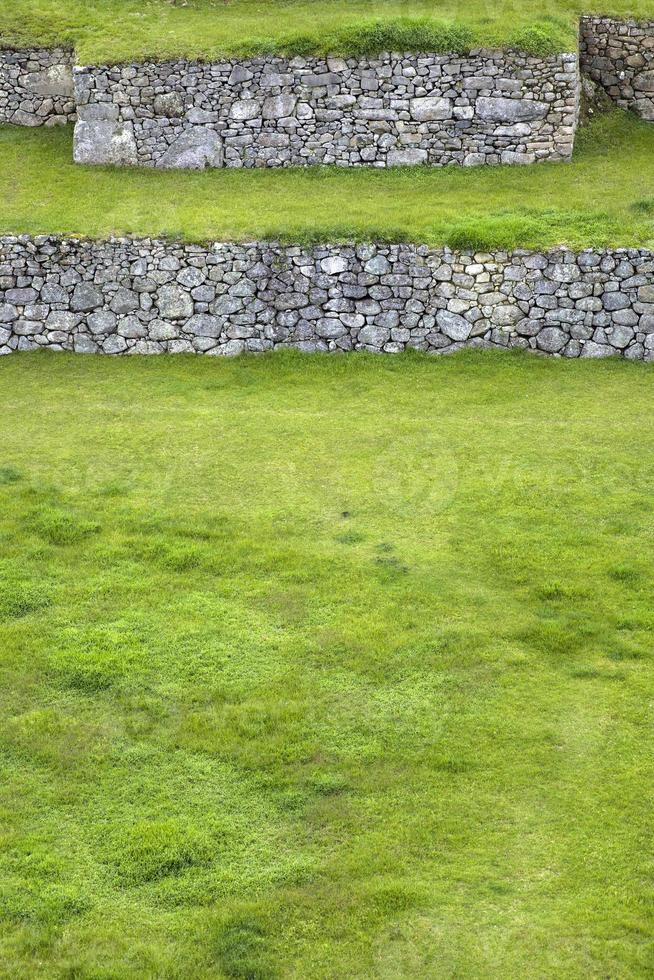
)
(169, 104)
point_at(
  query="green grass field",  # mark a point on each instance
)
(324, 667)
(604, 197)
(118, 30)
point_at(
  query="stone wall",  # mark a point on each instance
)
(36, 87)
(486, 107)
(619, 56)
(146, 296)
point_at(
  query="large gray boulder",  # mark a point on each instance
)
(104, 142)
(196, 148)
(500, 109)
(174, 302)
(431, 107)
(452, 325)
(57, 80)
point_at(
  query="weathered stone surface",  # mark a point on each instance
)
(407, 158)
(452, 325)
(509, 110)
(89, 296)
(551, 339)
(51, 81)
(174, 303)
(86, 297)
(431, 107)
(102, 142)
(244, 109)
(194, 149)
(170, 104)
(278, 107)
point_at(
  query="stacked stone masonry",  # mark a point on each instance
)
(36, 87)
(148, 297)
(487, 107)
(619, 56)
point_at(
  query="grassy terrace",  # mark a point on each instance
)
(604, 197)
(325, 667)
(117, 30)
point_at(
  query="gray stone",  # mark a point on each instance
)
(244, 109)
(170, 104)
(551, 339)
(196, 148)
(499, 109)
(591, 349)
(374, 336)
(406, 158)
(278, 106)
(452, 325)
(174, 303)
(102, 322)
(431, 107)
(203, 325)
(8, 312)
(378, 265)
(52, 81)
(86, 297)
(131, 327)
(102, 142)
(124, 301)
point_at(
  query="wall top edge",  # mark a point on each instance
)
(39, 241)
(299, 61)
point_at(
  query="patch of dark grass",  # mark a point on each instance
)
(153, 849)
(9, 474)
(19, 598)
(60, 527)
(626, 575)
(241, 949)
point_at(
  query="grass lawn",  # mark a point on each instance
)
(118, 30)
(604, 197)
(326, 667)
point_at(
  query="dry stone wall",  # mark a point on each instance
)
(146, 297)
(619, 56)
(485, 107)
(36, 87)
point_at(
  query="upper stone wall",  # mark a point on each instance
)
(487, 107)
(36, 87)
(619, 56)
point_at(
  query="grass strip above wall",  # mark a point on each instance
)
(605, 197)
(124, 30)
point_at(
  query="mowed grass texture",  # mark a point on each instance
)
(605, 197)
(123, 30)
(326, 667)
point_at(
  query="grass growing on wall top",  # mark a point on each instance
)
(325, 667)
(118, 30)
(604, 197)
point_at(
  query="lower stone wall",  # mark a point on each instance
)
(148, 297)
(482, 107)
(619, 56)
(36, 87)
